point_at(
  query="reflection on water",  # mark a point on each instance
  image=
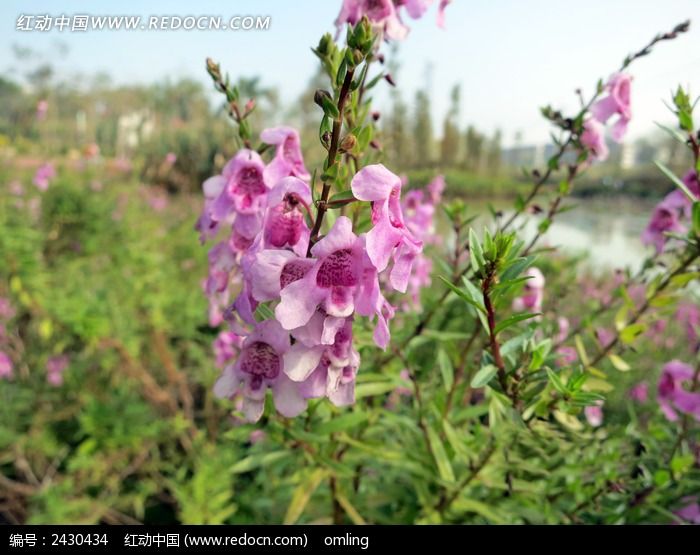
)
(606, 230)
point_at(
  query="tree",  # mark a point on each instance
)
(449, 147)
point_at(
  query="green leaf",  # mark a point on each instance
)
(556, 382)
(443, 463)
(631, 332)
(484, 376)
(468, 505)
(373, 388)
(514, 319)
(696, 218)
(463, 295)
(618, 363)
(342, 422)
(675, 134)
(682, 186)
(476, 254)
(302, 494)
(446, 369)
(258, 460)
(344, 197)
(349, 509)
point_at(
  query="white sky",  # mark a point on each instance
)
(510, 56)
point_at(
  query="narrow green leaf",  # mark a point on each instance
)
(442, 462)
(302, 494)
(484, 376)
(514, 319)
(258, 460)
(672, 176)
(342, 422)
(446, 369)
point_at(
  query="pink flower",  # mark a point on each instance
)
(672, 397)
(273, 270)
(226, 346)
(639, 392)
(258, 368)
(380, 13)
(389, 238)
(326, 370)
(6, 368)
(691, 512)
(689, 316)
(594, 414)
(42, 107)
(341, 281)
(7, 311)
(678, 200)
(55, 366)
(170, 158)
(616, 102)
(436, 188)
(593, 138)
(533, 292)
(284, 225)
(43, 176)
(244, 191)
(92, 151)
(604, 336)
(288, 159)
(664, 219)
(257, 436)
(441, 13)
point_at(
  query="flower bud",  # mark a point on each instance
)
(348, 143)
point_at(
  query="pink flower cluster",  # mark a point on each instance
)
(7, 312)
(43, 176)
(55, 367)
(418, 208)
(617, 104)
(305, 350)
(669, 215)
(385, 15)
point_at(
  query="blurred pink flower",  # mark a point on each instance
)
(42, 107)
(594, 414)
(43, 176)
(55, 366)
(639, 392)
(5, 366)
(672, 396)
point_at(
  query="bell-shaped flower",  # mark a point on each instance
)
(389, 237)
(273, 270)
(617, 102)
(326, 370)
(593, 138)
(288, 159)
(284, 225)
(259, 367)
(331, 283)
(664, 219)
(380, 13)
(245, 190)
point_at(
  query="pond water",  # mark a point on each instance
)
(607, 230)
